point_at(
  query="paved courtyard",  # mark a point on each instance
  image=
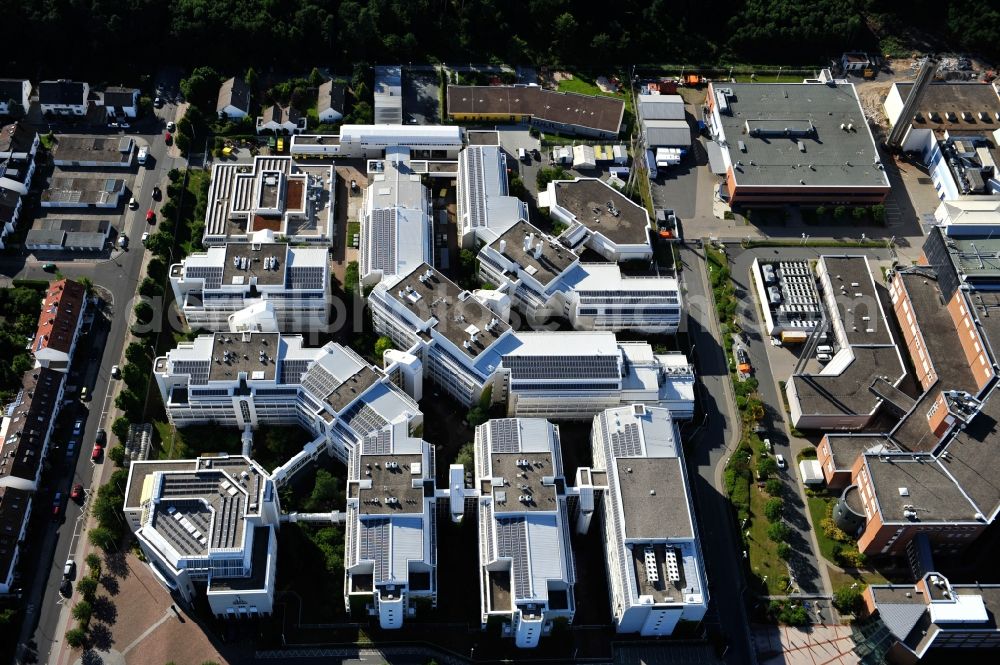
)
(815, 645)
(142, 629)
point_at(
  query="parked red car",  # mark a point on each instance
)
(150, 215)
(168, 138)
(77, 493)
(96, 455)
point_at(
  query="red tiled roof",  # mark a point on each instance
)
(60, 316)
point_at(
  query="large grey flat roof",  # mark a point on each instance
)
(525, 480)
(114, 151)
(554, 260)
(256, 255)
(957, 98)
(439, 297)
(833, 157)
(587, 200)
(926, 487)
(237, 353)
(653, 496)
(391, 482)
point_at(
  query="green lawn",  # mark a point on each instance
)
(582, 86)
(764, 559)
(195, 440)
(818, 510)
(352, 228)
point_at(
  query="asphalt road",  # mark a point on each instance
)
(707, 451)
(805, 563)
(116, 278)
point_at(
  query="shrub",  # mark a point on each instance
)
(878, 213)
(832, 531)
(784, 551)
(847, 599)
(839, 212)
(821, 211)
(860, 213)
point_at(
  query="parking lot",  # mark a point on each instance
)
(421, 97)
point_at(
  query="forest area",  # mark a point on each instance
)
(119, 38)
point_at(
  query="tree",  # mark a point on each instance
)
(878, 213)
(859, 213)
(117, 455)
(548, 174)
(201, 88)
(157, 267)
(101, 537)
(316, 78)
(82, 611)
(773, 486)
(848, 600)
(466, 456)
(87, 284)
(160, 244)
(135, 378)
(784, 551)
(766, 465)
(821, 211)
(94, 563)
(839, 212)
(128, 402)
(87, 587)
(773, 509)
(477, 415)
(120, 427)
(778, 531)
(250, 78)
(382, 344)
(76, 638)
(326, 492)
(149, 288)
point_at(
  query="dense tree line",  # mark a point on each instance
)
(72, 37)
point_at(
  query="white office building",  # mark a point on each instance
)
(249, 379)
(390, 542)
(546, 279)
(272, 199)
(485, 207)
(396, 222)
(467, 347)
(208, 526)
(223, 288)
(600, 218)
(656, 574)
(526, 569)
(371, 141)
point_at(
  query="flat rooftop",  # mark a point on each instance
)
(921, 484)
(522, 473)
(659, 571)
(781, 134)
(317, 139)
(654, 498)
(113, 151)
(253, 354)
(352, 387)
(65, 190)
(588, 199)
(257, 579)
(978, 258)
(459, 315)
(955, 107)
(392, 478)
(265, 262)
(482, 137)
(566, 108)
(857, 297)
(553, 261)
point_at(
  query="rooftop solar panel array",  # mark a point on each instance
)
(627, 442)
(505, 436)
(197, 369)
(379, 443)
(292, 371)
(211, 274)
(305, 277)
(512, 540)
(375, 546)
(382, 240)
(319, 381)
(562, 367)
(363, 419)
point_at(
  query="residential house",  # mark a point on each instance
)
(234, 99)
(330, 102)
(15, 96)
(121, 102)
(63, 97)
(281, 119)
